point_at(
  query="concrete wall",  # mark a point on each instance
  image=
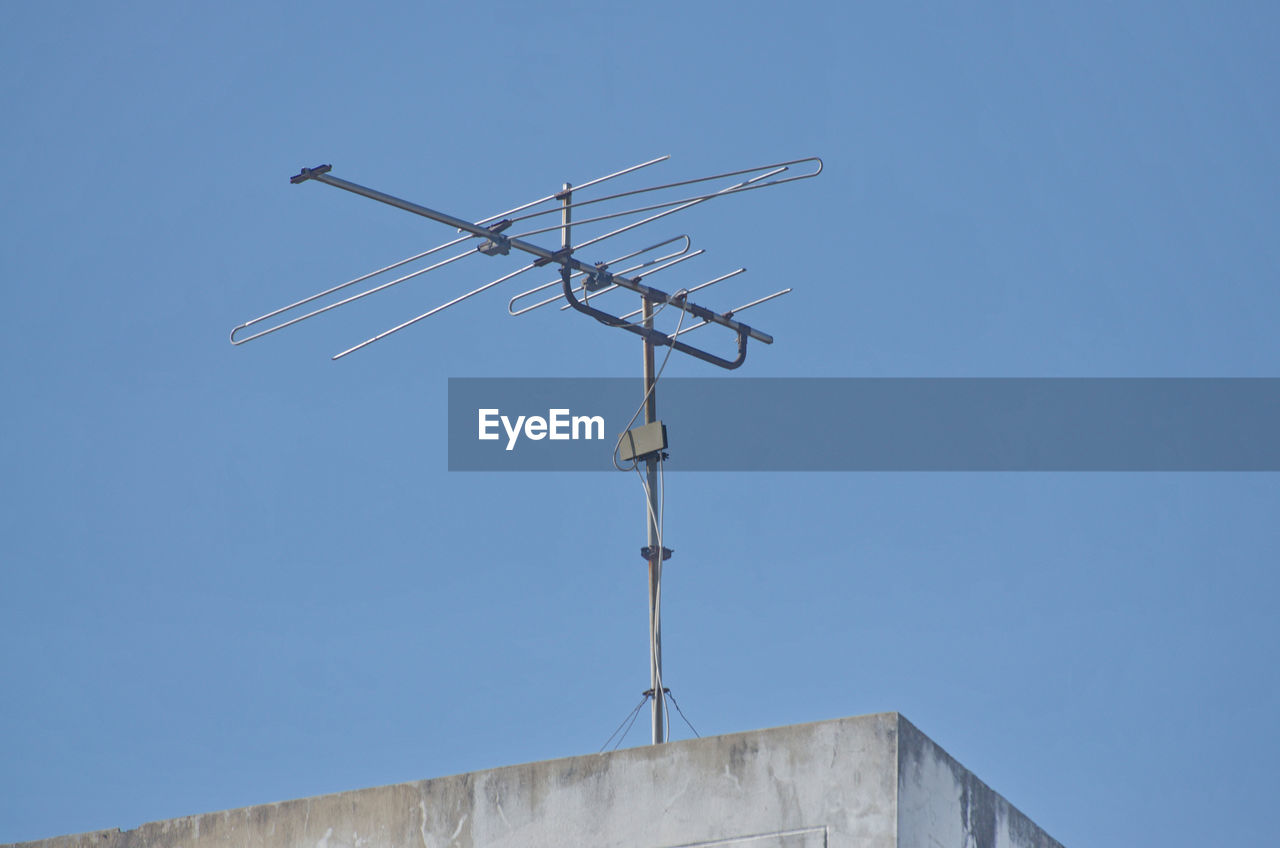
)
(868, 782)
(940, 802)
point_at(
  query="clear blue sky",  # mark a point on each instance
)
(239, 575)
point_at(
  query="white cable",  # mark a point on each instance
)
(656, 619)
(656, 521)
(635, 462)
(657, 606)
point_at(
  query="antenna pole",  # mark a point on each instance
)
(656, 552)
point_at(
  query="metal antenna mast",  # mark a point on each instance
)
(490, 237)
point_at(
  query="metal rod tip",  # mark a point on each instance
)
(308, 173)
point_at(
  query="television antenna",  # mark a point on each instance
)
(580, 283)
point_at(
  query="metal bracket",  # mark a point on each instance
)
(496, 246)
(601, 279)
(646, 552)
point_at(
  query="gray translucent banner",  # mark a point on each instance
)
(855, 424)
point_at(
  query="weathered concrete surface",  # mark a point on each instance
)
(940, 802)
(868, 782)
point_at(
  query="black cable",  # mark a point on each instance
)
(631, 716)
(635, 716)
(682, 715)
